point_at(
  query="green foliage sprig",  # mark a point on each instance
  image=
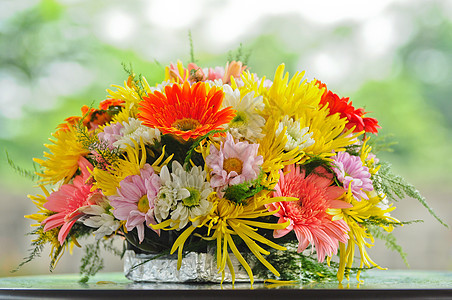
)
(382, 143)
(390, 241)
(396, 188)
(21, 171)
(192, 51)
(298, 266)
(37, 246)
(240, 193)
(92, 261)
(196, 143)
(136, 79)
(375, 221)
(36, 250)
(91, 142)
(239, 55)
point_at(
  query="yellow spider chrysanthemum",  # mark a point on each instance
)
(229, 219)
(62, 161)
(368, 162)
(131, 94)
(359, 234)
(39, 201)
(135, 159)
(49, 236)
(300, 100)
(271, 147)
(292, 97)
(250, 84)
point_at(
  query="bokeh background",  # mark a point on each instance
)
(392, 57)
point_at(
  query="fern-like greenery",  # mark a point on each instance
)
(36, 250)
(297, 266)
(397, 188)
(21, 171)
(92, 261)
(239, 55)
(390, 241)
(192, 51)
(382, 143)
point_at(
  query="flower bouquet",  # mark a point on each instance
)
(274, 178)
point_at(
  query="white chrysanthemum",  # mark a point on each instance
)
(296, 136)
(160, 87)
(133, 131)
(215, 83)
(247, 123)
(97, 217)
(167, 196)
(183, 196)
(384, 202)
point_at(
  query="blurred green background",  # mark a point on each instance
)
(392, 57)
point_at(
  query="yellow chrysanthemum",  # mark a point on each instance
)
(62, 161)
(135, 159)
(230, 219)
(300, 100)
(39, 201)
(49, 236)
(364, 155)
(271, 147)
(359, 234)
(292, 97)
(131, 94)
(250, 84)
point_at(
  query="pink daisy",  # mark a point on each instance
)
(134, 201)
(70, 200)
(111, 134)
(307, 216)
(351, 172)
(233, 163)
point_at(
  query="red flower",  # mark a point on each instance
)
(346, 109)
(93, 118)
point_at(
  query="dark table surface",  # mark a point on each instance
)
(376, 284)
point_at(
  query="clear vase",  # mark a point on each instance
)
(196, 267)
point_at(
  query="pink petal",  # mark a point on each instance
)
(64, 231)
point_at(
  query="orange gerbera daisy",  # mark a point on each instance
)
(185, 111)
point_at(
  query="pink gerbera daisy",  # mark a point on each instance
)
(308, 216)
(233, 163)
(134, 201)
(69, 201)
(351, 172)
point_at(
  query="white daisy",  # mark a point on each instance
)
(97, 217)
(248, 123)
(133, 131)
(296, 136)
(160, 87)
(215, 83)
(183, 196)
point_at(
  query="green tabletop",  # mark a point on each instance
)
(392, 282)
